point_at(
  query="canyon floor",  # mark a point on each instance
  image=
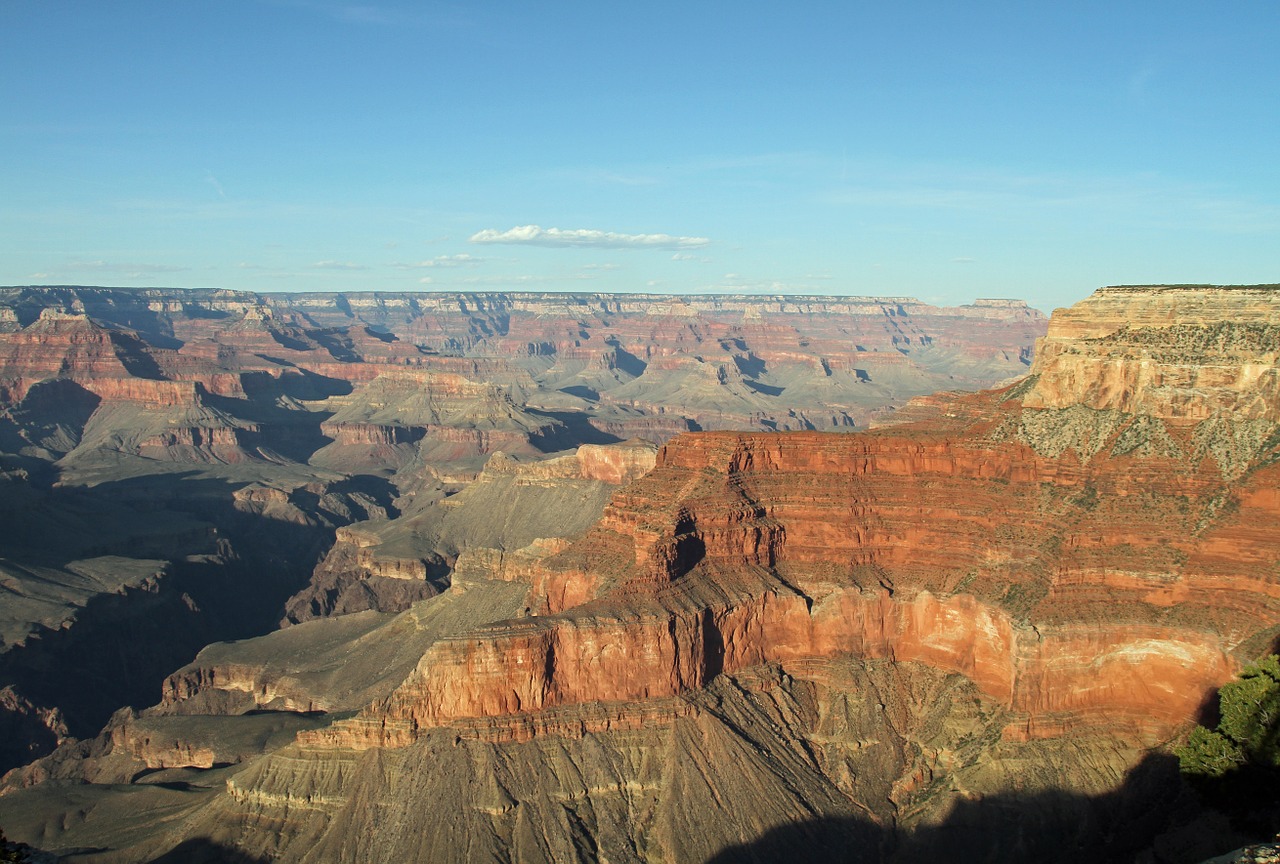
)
(623, 578)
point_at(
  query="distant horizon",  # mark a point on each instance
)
(426, 290)
(551, 292)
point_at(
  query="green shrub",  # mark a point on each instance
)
(1249, 730)
(1209, 754)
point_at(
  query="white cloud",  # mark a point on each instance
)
(1144, 199)
(683, 256)
(523, 279)
(736, 283)
(463, 260)
(213, 181)
(425, 280)
(534, 235)
(338, 265)
(124, 269)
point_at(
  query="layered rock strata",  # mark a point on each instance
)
(1174, 353)
(884, 646)
(1093, 571)
(621, 362)
(781, 549)
(511, 506)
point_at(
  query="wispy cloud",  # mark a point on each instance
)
(1139, 81)
(363, 14)
(514, 279)
(737, 283)
(534, 235)
(462, 260)
(467, 283)
(123, 268)
(338, 265)
(618, 178)
(375, 14)
(213, 181)
(1146, 198)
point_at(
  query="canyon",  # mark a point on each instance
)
(514, 602)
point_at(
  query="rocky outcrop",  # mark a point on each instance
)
(29, 729)
(512, 505)
(334, 664)
(448, 416)
(353, 577)
(615, 464)
(1145, 349)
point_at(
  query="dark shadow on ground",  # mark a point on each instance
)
(1250, 795)
(574, 431)
(1155, 817)
(624, 361)
(764, 389)
(227, 576)
(751, 366)
(582, 392)
(202, 851)
(289, 432)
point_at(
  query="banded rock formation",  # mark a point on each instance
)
(1095, 591)
(717, 362)
(304, 413)
(961, 635)
(386, 564)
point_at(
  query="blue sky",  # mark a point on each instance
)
(944, 151)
